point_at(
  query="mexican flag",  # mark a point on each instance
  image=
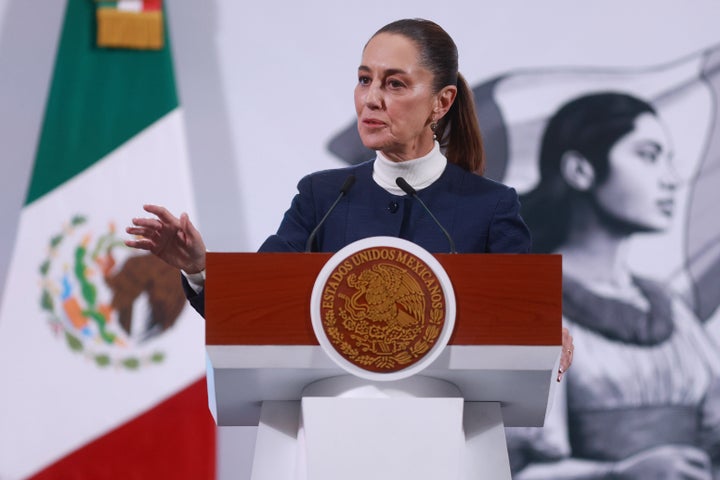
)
(101, 362)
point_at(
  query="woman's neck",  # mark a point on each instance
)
(419, 149)
(594, 253)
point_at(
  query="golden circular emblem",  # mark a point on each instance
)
(382, 308)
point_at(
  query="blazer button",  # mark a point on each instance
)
(393, 207)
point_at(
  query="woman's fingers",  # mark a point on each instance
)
(163, 214)
(172, 239)
(151, 223)
(142, 244)
(149, 232)
(141, 231)
(568, 349)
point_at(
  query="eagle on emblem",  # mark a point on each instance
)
(388, 294)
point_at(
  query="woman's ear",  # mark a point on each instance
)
(577, 171)
(444, 100)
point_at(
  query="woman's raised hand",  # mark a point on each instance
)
(174, 240)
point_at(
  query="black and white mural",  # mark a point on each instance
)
(619, 172)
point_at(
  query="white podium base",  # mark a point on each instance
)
(351, 429)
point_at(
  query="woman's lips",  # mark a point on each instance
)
(372, 122)
(667, 206)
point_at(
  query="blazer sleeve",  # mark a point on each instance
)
(508, 231)
(197, 300)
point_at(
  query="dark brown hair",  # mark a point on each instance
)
(458, 131)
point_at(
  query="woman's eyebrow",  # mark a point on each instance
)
(388, 72)
(652, 144)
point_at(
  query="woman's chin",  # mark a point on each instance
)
(372, 146)
(372, 143)
(375, 139)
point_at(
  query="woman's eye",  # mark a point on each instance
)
(363, 80)
(395, 84)
(649, 155)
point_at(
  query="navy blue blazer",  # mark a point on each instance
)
(481, 215)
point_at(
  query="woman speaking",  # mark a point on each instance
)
(416, 111)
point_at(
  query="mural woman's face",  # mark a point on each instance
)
(640, 187)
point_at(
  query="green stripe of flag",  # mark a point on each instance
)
(99, 98)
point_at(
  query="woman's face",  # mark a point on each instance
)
(640, 187)
(394, 100)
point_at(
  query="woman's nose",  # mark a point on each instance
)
(373, 96)
(670, 178)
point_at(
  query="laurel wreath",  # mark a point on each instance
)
(385, 362)
(47, 303)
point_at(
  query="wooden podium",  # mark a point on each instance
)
(266, 368)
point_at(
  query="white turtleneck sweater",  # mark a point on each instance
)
(419, 172)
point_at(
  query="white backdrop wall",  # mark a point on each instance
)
(281, 76)
(265, 86)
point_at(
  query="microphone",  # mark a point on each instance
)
(349, 182)
(402, 183)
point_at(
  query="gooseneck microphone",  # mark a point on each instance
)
(402, 183)
(349, 182)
